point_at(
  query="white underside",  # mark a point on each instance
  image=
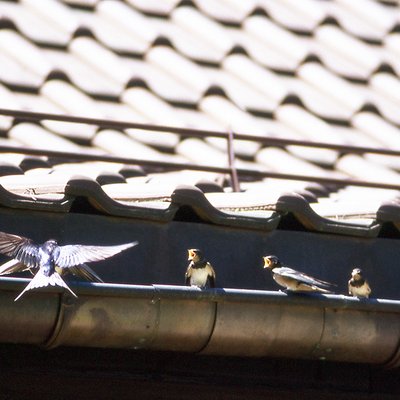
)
(361, 291)
(199, 277)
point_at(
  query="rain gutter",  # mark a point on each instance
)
(231, 322)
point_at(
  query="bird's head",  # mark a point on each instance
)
(356, 273)
(195, 255)
(50, 245)
(271, 262)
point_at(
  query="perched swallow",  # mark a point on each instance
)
(358, 286)
(293, 280)
(199, 272)
(50, 261)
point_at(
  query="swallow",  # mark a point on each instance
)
(358, 286)
(199, 272)
(293, 280)
(82, 271)
(48, 261)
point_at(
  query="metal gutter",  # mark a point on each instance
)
(231, 322)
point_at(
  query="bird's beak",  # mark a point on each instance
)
(267, 262)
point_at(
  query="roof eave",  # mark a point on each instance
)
(231, 322)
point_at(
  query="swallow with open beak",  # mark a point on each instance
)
(293, 280)
(200, 272)
(358, 286)
(49, 261)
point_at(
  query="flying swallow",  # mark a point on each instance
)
(293, 280)
(199, 272)
(83, 270)
(50, 261)
(358, 286)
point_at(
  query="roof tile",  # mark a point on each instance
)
(365, 56)
(312, 128)
(387, 84)
(259, 78)
(158, 7)
(187, 42)
(359, 167)
(151, 107)
(182, 69)
(274, 36)
(42, 138)
(206, 28)
(377, 128)
(296, 17)
(117, 143)
(101, 60)
(56, 14)
(221, 11)
(23, 63)
(345, 93)
(33, 25)
(319, 71)
(373, 13)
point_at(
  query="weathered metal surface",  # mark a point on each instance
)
(30, 320)
(219, 322)
(359, 336)
(262, 329)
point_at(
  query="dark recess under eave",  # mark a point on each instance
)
(236, 252)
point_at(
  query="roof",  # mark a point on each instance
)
(218, 122)
(324, 73)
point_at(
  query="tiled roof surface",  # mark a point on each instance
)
(310, 70)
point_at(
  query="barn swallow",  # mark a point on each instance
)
(293, 280)
(50, 261)
(358, 286)
(199, 272)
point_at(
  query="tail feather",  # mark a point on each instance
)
(41, 280)
(311, 288)
(82, 271)
(321, 290)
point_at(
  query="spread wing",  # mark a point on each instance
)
(21, 248)
(77, 254)
(12, 266)
(300, 276)
(85, 272)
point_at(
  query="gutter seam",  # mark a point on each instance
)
(394, 360)
(207, 342)
(316, 352)
(52, 341)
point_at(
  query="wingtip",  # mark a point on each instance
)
(126, 246)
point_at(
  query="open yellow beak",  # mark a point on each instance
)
(191, 255)
(267, 262)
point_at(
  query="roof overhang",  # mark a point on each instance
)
(230, 322)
